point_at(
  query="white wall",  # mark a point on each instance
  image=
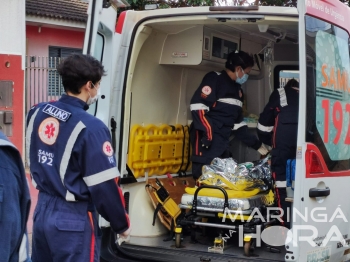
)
(12, 27)
(161, 93)
(155, 88)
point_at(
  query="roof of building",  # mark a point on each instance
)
(71, 10)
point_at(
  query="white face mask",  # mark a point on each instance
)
(92, 100)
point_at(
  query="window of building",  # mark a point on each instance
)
(55, 87)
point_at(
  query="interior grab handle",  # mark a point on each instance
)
(319, 192)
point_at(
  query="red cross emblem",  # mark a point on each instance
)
(107, 148)
(48, 130)
(206, 90)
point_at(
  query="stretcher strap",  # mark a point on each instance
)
(183, 152)
(189, 149)
(159, 206)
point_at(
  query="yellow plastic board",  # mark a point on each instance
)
(158, 149)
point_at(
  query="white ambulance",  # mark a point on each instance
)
(155, 60)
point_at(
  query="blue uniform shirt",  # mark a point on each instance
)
(216, 108)
(14, 204)
(278, 127)
(71, 156)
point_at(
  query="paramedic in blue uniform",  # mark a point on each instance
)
(73, 166)
(14, 204)
(216, 108)
(277, 127)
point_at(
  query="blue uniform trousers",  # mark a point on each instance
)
(65, 231)
(203, 156)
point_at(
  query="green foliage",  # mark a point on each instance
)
(292, 3)
(140, 4)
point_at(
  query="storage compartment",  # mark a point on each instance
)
(204, 46)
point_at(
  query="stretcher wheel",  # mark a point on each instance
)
(249, 248)
(177, 240)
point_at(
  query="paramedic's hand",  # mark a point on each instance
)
(205, 142)
(263, 150)
(126, 233)
(122, 237)
(267, 147)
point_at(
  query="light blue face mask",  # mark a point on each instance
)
(243, 79)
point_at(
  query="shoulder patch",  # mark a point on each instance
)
(107, 148)
(48, 130)
(56, 112)
(206, 90)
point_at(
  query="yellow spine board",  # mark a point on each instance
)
(158, 150)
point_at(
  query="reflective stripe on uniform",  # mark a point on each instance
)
(231, 101)
(33, 181)
(265, 128)
(199, 106)
(92, 245)
(4, 142)
(8, 143)
(67, 154)
(23, 252)
(281, 183)
(29, 135)
(28, 141)
(101, 176)
(206, 124)
(239, 125)
(283, 97)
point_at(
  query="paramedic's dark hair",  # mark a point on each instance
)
(239, 59)
(292, 83)
(77, 69)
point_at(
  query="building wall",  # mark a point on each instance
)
(12, 21)
(40, 69)
(39, 40)
(12, 47)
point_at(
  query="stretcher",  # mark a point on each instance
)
(180, 205)
(200, 203)
(216, 204)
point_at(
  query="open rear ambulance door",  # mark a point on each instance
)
(101, 42)
(321, 209)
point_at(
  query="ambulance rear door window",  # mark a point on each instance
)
(328, 92)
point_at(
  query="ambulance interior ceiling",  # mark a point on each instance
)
(161, 92)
